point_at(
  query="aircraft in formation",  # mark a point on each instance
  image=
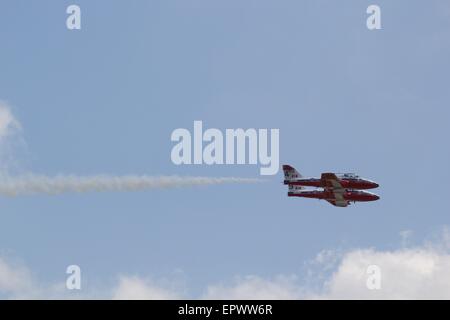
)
(338, 189)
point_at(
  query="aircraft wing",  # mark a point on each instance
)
(338, 203)
(332, 183)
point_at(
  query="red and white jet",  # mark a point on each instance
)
(338, 189)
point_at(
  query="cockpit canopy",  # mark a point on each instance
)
(348, 175)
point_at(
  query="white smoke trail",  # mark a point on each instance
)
(40, 184)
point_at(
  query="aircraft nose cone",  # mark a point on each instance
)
(375, 185)
(375, 197)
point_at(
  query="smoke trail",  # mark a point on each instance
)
(40, 184)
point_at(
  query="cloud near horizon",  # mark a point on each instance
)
(419, 272)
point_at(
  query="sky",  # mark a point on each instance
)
(105, 99)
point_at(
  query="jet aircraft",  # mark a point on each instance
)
(338, 189)
(346, 180)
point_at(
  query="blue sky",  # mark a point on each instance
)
(105, 99)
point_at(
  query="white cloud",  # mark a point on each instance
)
(406, 236)
(135, 288)
(10, 139)
(15, 280)
(8, 124)
(407, 273)
(417, 273)
(253, 287)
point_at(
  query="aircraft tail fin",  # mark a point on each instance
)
(290, 173)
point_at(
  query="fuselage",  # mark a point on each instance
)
(347, 183)
(349, 195)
